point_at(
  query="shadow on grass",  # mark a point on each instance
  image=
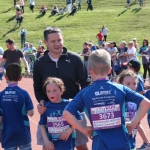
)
(133, 3)
(10, 19)
(11, 30)
(40, 16)
(122, 12)
(60, 17)
(135, 10)
(7, 10)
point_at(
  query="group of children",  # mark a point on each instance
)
(114, 109)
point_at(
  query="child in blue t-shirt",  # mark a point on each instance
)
(135, 66)
(104, 103)
(15, 106)
(61, 135)
(129, 78)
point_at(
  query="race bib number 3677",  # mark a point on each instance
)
(106, 117)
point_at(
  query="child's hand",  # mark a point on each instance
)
(65, 135)
(49, 145)
(88, 132)
(129, 127)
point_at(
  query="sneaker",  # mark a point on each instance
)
(144, 146)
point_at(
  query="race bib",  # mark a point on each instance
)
(57, 125)
(106, 117)
(1, 70)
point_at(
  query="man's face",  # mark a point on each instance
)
(55, 43)
(9, 46)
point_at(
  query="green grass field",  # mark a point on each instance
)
(123, 24)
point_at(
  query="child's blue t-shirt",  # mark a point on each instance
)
(104, 105)
(140, 87)
(56, 124)
(130, 111)
(14, 104)
(147, 95)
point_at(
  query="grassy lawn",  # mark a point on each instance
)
(123, 24)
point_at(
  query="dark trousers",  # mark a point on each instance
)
(105, 37)
(32, 7)
(22, 8)
(146, 68)
(79, 6)
(23, 40)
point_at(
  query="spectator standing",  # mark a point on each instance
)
(131, 52)
(142, 52)
(23, 33)
(128, 3)
(105, 32)
(136, 45)
(79, 4)
(122, 56)
(89, 2)
(21, 2)
(19, 17)
(141, 3)
(86, 52)
(69, 4)
(65, 65)
(100, 38)
(13, 55)
(32, 4)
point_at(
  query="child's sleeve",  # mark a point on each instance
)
(76, 104)
(132, 96)
(28, 103)
(43, 119)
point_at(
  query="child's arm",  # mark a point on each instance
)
(75, 123)
(142, 110)
(30, 113)
(49, 145)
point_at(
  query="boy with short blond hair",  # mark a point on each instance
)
(104, 104)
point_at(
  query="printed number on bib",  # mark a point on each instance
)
(106, 117)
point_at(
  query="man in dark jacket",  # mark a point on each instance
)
(58, 62)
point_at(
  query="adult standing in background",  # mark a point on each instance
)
(105, 32)
(65, 65)
(89, 2)
(136, 45)
(100, 38)
(22, 5)
(143, 50)
(23, 33)
(32, 4)
(69, 4)
(79, 4)
(13, 55)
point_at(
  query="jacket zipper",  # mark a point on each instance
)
(57, 68)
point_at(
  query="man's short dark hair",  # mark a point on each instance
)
(10, 41)
(50, 30)
(13, 72)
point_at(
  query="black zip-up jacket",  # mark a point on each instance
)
(70, 68)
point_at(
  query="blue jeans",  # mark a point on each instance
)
(24, 147)
(100, 43)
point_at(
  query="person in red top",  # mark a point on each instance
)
(100, 38)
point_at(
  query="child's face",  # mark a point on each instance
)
(130, 82)
(53, 93)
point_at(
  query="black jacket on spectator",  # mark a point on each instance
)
(70, 68)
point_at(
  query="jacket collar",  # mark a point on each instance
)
(64, 54)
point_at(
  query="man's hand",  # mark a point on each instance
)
(49, 145)
(65, 135)
(41, 108)
(88, 132)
